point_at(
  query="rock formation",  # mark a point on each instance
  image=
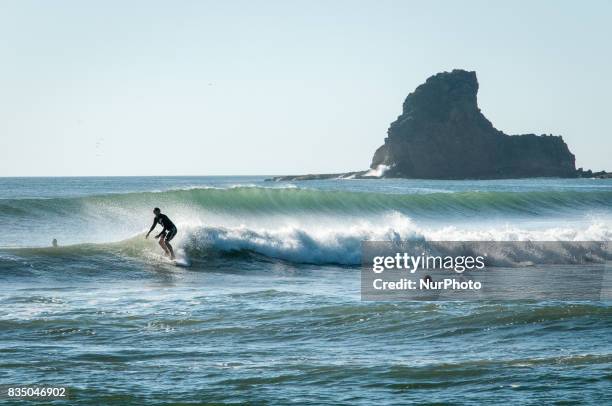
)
(442, 134)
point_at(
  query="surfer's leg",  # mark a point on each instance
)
(170, 249)
(167, 239)
(162, 243)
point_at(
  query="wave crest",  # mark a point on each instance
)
(260, 200)
(333, 245)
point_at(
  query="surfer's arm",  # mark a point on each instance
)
(152, 227)
(161, 232)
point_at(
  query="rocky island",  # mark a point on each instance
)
(442, 134)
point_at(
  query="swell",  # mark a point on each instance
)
(257, 200)
(327, 244)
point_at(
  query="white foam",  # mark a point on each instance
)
(321, 243)
(378, 171)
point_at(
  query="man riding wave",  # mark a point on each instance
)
(167, 234)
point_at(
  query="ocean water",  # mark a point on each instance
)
(266, 307)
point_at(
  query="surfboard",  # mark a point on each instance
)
(181, 262)
(178, 261)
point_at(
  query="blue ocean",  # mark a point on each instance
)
(264, 305)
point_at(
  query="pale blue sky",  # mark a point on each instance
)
(281, 87)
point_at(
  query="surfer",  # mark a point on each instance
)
(167, 234)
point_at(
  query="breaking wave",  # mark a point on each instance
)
(300, 225)
(321, 243)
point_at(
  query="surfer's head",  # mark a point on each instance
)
(156, 211)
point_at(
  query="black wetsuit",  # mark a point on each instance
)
(169, 230)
